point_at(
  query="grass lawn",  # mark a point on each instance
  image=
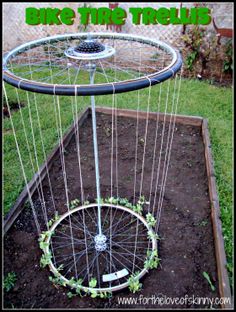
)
(196, 98)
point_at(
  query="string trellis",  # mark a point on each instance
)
(107, 244)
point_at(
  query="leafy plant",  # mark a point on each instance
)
(142, 201)
(105, 294)
(93, 283)
(207, 277)
(70, 295)
(93, 293)
(150, 220)
(43, 245)
(111, 200)
(203, 223)
(43, 236)
(74, 203)
(134, 284)
(152, 260)
(190, 59)
(228, 61)
(129, 205)
(51, 221)
(153, 235)
(9, 281)
(76, 286)
(138, 208)
(123, 201)
(192, 41)
(199, 46)
(57, 280)
(45, 259)
(101, 201)
(60, 268)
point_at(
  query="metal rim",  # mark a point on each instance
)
(54, 270)
(98, 89)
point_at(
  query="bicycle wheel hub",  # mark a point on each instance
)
(89, 49)
(100, 242)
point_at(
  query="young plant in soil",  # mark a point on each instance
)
(9, 281)
(46, 256)
(134, 284)
(207, 277)
(150, 220)
(74, 203)
(152, 260)
(50, 222)
(77, 286)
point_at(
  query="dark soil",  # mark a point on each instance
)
(186, 247)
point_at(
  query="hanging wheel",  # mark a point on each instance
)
(124, 62)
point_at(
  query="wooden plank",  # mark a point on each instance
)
(224, 286)
(182, 119)
(40, 175)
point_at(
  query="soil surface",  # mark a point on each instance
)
(186, 247)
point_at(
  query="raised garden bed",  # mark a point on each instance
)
(190, 227)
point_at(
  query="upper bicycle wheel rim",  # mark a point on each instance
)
(95, 89)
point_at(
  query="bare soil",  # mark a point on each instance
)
(186, 247)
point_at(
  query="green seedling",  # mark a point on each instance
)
(70, 295)
(105, 294)
(45, 259)
(152, 235)
(141, 200)
(129, 205)
(74, 203)
(134, 284)
(152, 260)
(203, 223)
(9, 281)
(150, 220)
(111, 200)
(44, 235)
(138, 208)
(43, 245)
(56, 217)
(93, 283)
(207, 277)
(101, 201)
(123, 201)
(93, 293)
(60, 268)
(57, 280)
